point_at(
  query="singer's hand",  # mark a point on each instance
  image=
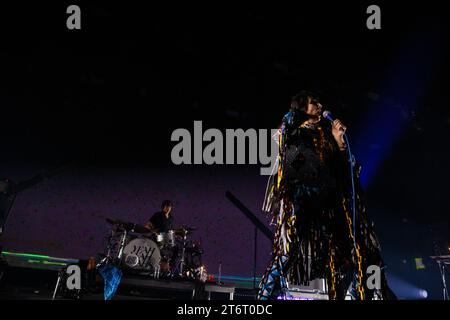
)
(338, 130)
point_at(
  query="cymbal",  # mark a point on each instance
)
(182, 233)
(184, 230)
(112, 221)
(133, 227)
(128, 226)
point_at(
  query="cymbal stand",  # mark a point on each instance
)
(442, 269)
(122, 245)
(183, 253)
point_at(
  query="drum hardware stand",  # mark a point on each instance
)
(60, 275)
(181, 262)
(442, 269)
(122, 245)
(182, 253)
(442, 261)
(106, 257)
(156, 272)
(56, 288)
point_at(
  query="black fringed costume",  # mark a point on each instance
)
(309, 197)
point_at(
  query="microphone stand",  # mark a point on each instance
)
(351, 160)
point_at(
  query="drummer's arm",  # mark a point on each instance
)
(149, 225)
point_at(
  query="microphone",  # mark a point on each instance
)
(327, 115)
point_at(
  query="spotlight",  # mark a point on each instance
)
(406, 290)
(423, 294)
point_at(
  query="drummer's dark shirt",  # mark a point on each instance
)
(160, 222)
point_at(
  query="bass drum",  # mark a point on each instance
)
(142, 254)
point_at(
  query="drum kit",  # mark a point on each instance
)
(136, 249)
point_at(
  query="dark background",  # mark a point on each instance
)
(107, 97)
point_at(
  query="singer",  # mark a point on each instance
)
(309, 198)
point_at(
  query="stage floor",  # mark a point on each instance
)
(29, 276)
(33, 276)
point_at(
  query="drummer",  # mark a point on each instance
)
(162, 221)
